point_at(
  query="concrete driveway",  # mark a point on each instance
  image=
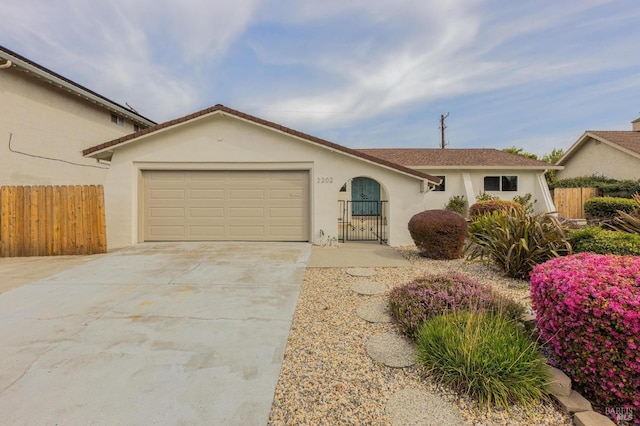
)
(158, 333)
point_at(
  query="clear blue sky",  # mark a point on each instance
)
(362, 73)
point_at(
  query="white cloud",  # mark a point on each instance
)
(139, 51)
(341, 62)
(445, 50)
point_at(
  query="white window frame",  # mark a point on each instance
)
(500, 183)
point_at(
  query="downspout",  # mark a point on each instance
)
(6, 64)
(549, 206)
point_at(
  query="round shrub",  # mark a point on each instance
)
(414, 303)
(588, 309)
(439, 234)
(603, 241)
(606, 208)
(485, 356)
(490, 206)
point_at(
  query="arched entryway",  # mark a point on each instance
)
(362, 211)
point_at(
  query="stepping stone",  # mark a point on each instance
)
(374, 311)
(591, 418)
(361, 272)
(392, 350)
(560, 383)
(369, 288)
(413, 407)
(573, 403)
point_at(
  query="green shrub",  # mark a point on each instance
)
(606, 208)
(439, 234)
(457, 204)
(526, 203)
(414, 303)
(607, 187)
(595, 239)
(484, 356)
(517, 242)
(490, 206)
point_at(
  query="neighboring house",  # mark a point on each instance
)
(45, 122)
(613, 154)
(220, 174)
(470, 172)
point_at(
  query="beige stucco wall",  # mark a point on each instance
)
(595, 157)
(470, 183)
(221, 142)
(49, 122)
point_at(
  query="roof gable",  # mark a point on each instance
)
(457, 158)
(625, 141)
(22, 63)
(105, 150)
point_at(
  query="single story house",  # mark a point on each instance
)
(613, 154)
(472, 171)
(45, 122)
(220, 174)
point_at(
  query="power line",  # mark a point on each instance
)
(51, 159)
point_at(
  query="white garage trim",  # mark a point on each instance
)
(225, 205)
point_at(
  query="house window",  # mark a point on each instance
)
(136, 128)
(501, 183)
(441, 187)
(117, 120)
(509, 183)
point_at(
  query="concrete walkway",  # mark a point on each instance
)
(350, 255)
(158, 333)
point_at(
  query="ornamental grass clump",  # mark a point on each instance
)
(515, 243)
(588, 310)
(485, 356)
(439, 234)
(414, 303)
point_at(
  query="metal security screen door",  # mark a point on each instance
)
(361, 226)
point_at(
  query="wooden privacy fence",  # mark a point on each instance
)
(570, 201)
(52, 220)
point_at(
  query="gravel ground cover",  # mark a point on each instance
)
(328, 379)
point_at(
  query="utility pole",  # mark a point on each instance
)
(442, 127)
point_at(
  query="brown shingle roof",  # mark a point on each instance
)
(466, 157)
(223, 109)
(626, 139)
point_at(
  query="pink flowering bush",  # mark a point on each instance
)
(588, 309)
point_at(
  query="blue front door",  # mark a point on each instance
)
(365, 197)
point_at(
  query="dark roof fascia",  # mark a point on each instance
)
(498, 167)
(57, 79)
(221, 109)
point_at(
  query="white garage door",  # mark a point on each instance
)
(226, 205)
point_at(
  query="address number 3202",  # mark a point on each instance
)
(325, 180)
